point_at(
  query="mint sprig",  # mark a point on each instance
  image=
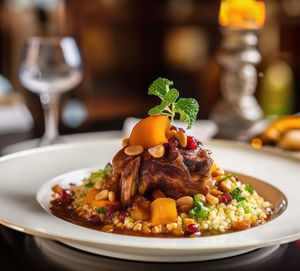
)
(187, 108)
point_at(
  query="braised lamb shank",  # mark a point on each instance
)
(178, 173)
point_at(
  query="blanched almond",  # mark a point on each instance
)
(102, 195)
(182, 138)
(111, 196)
(171, 134)
(226, 186)
(134, 150)
(217, 172)
(212, 199)
(157, 151)
(186, 200)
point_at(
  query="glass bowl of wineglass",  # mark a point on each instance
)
(49, 67)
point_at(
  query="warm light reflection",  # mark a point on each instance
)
(242, 13)
(256, 143)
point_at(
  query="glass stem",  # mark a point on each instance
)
(50, 104)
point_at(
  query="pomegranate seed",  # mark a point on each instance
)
(173, 128)
(66, 195)
(191, 228)
(181, 129)
(191, 144)
(94, 219)
(172, 143)
(236, 178)
(110, 212)
(226, 198)
(123, 215)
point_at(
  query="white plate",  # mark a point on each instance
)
(22, 174)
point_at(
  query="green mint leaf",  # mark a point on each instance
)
(236, 194)
(188, 109)
(226, 177)
(249, 188)
(171, 96)
(192, 212)
(101, 210)
(155, 110)
(168, 100)
(160, 87)
(199, 210)
(89, 184)
(203, 213)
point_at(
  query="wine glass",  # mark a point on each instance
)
(49, 67)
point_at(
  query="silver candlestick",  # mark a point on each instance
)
(237, 113)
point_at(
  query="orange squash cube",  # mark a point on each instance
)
(163, 211)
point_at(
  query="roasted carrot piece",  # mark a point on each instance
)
(90, 196)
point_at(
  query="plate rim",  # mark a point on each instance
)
(223, 143)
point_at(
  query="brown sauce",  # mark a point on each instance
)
(65, 211)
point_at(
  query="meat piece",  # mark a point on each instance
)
(198, 162)
(170, 173)
(141, 208)
(119, 162)
(173, 176)
(129, 181)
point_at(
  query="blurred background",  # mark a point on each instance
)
(125, 45)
